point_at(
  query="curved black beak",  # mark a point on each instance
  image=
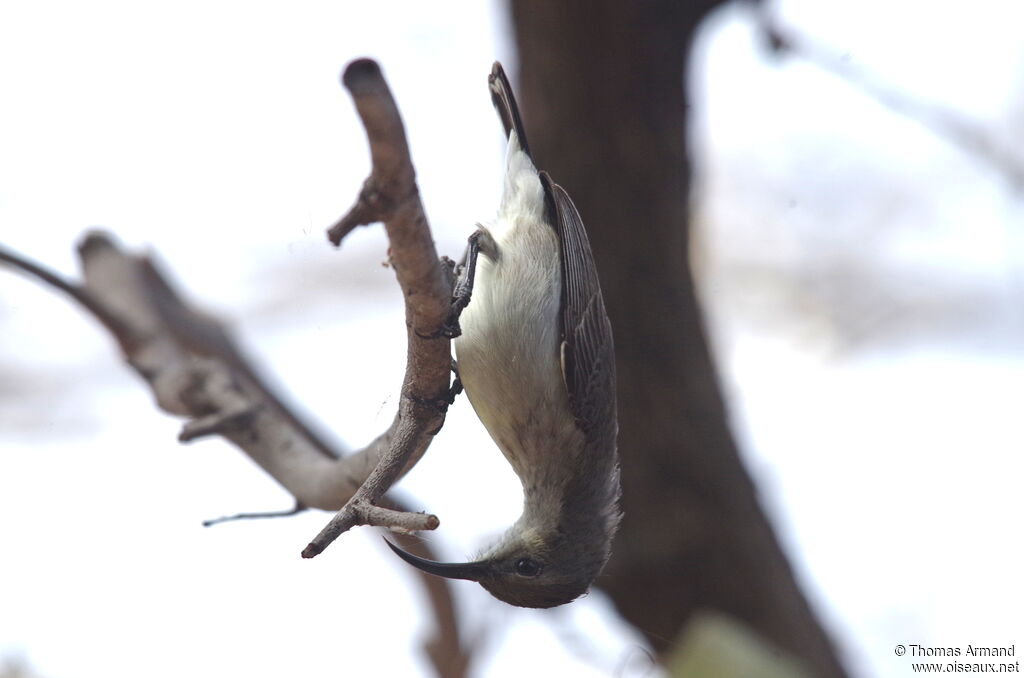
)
(471, 571)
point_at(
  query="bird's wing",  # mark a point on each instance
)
(588, 353)
(505, 103)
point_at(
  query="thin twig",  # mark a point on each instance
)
(258, 515)
(121, 331)
(390, 195)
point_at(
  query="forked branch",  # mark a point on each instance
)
(390, 195)
(197, 371)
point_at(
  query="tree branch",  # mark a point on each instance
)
(197, 371)
(390, 195)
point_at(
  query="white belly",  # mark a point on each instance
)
(509, 351)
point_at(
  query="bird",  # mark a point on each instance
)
(535, 354)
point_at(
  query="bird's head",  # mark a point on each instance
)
(527, 568)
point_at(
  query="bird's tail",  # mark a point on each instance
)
(505, 103)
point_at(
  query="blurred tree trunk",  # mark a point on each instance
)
(603, 88)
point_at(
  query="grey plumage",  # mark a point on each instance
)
(537, 360)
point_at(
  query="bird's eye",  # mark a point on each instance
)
(527, 567)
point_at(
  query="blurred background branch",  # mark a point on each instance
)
(970, 136)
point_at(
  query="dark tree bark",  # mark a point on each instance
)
(603, 88)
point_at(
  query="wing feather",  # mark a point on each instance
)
(588, 352)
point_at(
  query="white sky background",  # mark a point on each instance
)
(863, 279)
